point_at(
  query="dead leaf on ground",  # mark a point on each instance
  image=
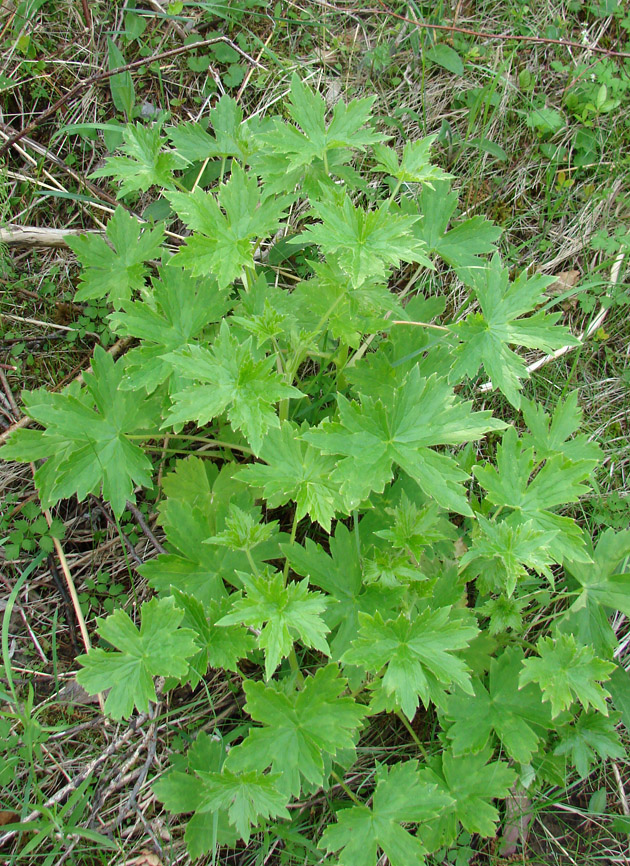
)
(145, 858)
(7, 817)
(565, 281)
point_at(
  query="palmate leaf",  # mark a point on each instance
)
(247, 797)
(366, 243)
(182, 792)
(590, 738)
(339, 574)
(464, 243)
(169, 317)
(145, 163)
(315, 139)
(414, 165)
(230, 139)
(197, 505)
(300, 729)
(558, 482)
(602, 587)
(87, 447)
(225, 225)
(401, 429)
(551, 435)
(501, 554)
(295, 471)
(472, 782)
(330, 301)
(159, 648)
(402, 795)
(234, 378)
(221, 648)
(517, 717)
(418, 655)
(565, 672)
(486, 336)
(115, 272)
(282, 613)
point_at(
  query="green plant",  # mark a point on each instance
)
(30, 531)
(341, 518)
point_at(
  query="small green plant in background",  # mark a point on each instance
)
(28, 531)
(347, 537)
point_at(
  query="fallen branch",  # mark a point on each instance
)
(31, 236)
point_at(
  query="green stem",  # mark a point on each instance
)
(326, 169)
(291, 543)
(295, 667)
(250, 559)
(403, 718)
(219, 442)
(348, 790)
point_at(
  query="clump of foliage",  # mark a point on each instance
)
(333, 522)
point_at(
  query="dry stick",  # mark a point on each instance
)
(89, 768)
(594, 326)
(103, 76)
(622, 793)
(144, 526)
(30, 236)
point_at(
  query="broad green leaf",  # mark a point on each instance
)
(170, 317)
(517, 717)
(565, 672)
(221, 648)
(301, 727)
(234, 379)
(558, 482)
(600, 581)
(295, 471)
(367, 243)
(115, 270)
(282, 613)
(487, 335)
(230, 139)
(197, 504)
(85, 439)
(315, 139)
(550, 435)
(501, 554)
(473, 782)
(158, 648)
(340, 575)
(590, 738)
(418, 655)
(145, 162)
(460, 246)
(120, 85)
(401, 429)
(414, 165)
(243, 531)
(332, 302)
(225, 226)
(446, 57)
(182, 792)
(402, 796)
(247, 797)
(600, 589)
